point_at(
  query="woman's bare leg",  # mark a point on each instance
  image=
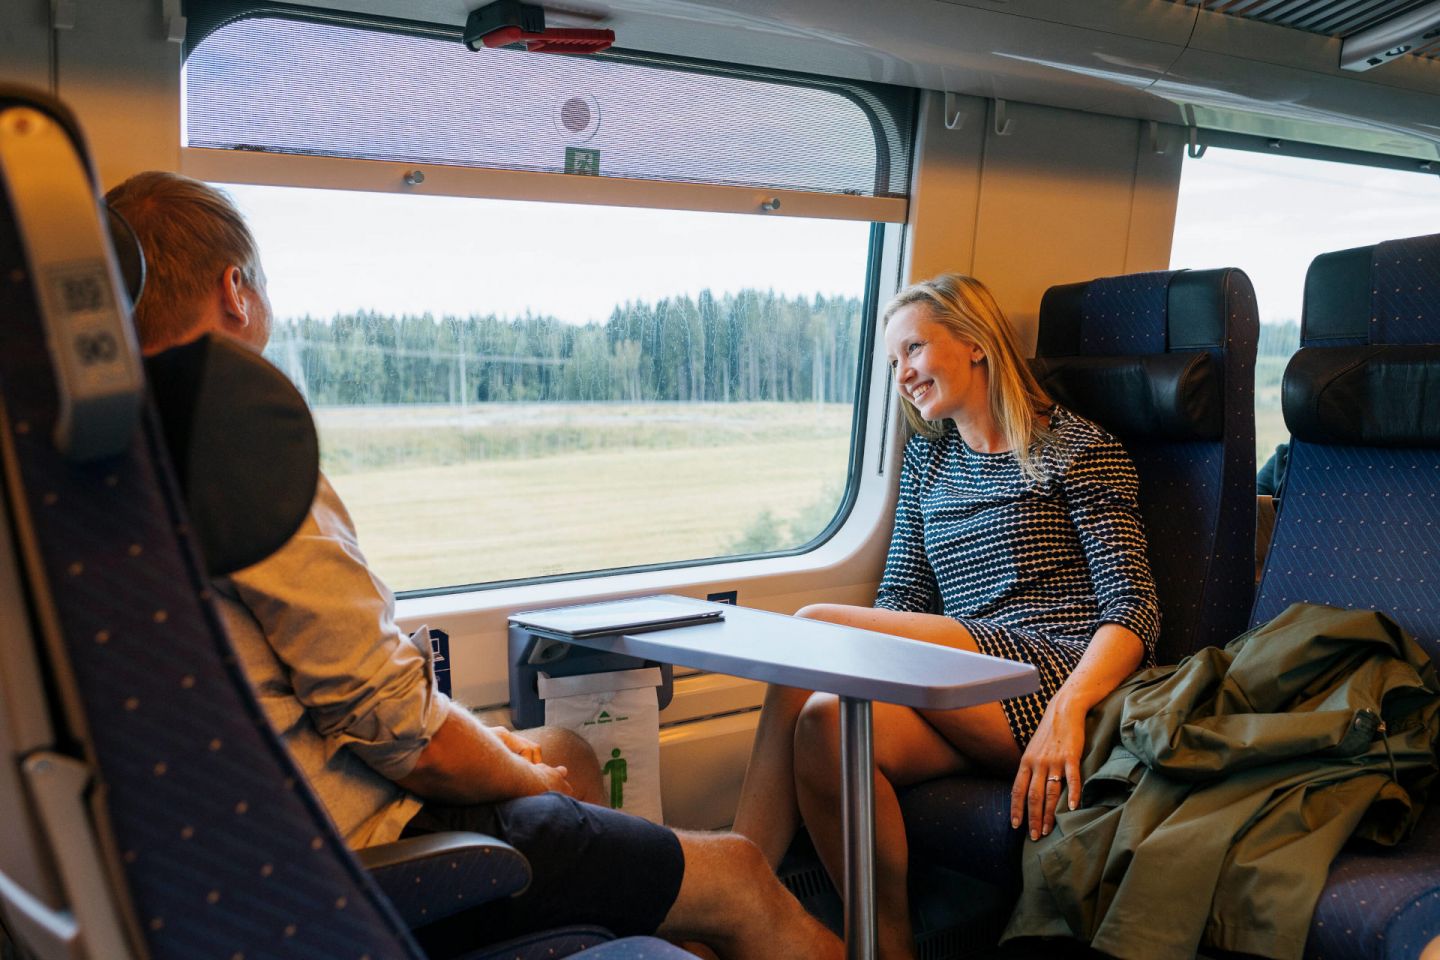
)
(908, 749)
(768, 813)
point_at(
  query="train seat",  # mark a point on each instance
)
(1164, 361)
(149, 808)
(1359, 526)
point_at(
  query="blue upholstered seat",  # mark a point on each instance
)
(1196, 462)
(1359, 526)
(162, 815)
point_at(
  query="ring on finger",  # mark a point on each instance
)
(1051, 779)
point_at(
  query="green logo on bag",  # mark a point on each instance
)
(617, 770)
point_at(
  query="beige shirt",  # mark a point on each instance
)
(351, 696)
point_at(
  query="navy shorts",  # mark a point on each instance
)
(589, 865)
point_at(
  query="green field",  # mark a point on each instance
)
(443, 496)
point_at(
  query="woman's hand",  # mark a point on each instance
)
(1051, 759)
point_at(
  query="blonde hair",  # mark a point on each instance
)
(190, 233)
(964, 306)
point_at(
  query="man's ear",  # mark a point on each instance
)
(234, 307)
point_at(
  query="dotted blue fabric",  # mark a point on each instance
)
(224, 849)
(1197, 499)
(1125, 315)
(563, 942)
(431, 888)
(1360, 527)
(1405, 297)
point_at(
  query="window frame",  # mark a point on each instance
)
(871, 430)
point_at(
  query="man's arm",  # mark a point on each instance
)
(468, 762)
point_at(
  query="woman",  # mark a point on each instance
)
(1018, 520)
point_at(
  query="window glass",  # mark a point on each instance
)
(1271, 216)
(508, 390)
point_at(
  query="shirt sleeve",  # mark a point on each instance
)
(908, 584)
(364, 685)
(1102, 491)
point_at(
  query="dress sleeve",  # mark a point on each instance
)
(908, 584)
(364, 685)
(1102, 492)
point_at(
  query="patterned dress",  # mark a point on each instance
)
(1030, 568)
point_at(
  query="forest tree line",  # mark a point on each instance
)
(746, 346)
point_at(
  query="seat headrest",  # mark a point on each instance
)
(1376, 396)
(129, 255)
(1385, 293)
(1133, 353)
(243, 446)
(1164, 396)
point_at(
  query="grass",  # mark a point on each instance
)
(562, 490)
(444, 496)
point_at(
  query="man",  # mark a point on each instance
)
(354, 698)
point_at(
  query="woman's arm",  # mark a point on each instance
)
(908, 584)
(1113, 654)
(1102, 495)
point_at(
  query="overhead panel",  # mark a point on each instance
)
(1341, 19)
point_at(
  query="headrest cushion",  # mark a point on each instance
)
(1166, 396)
(1379, 396)
(243, 447)
(128, 254)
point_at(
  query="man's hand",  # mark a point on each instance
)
(518, 745)
(553, 778)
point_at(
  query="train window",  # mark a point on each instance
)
(1272, 215)
(509, 387)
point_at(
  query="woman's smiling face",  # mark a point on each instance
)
(934, 369)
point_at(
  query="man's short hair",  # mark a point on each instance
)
(190, 233)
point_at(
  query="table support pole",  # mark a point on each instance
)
(857, 819)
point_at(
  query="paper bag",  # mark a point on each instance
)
(619, 716)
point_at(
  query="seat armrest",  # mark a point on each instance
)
(438, 875)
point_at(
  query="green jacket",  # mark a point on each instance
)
(1216, 792)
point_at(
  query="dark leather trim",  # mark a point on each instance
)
(1172, 396)
(1376, 396)
(1060, 311)
(1337, 298)
(243, 448)
(1196, 310)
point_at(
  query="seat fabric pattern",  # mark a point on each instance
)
(428, 889)
(552, 944)
(225, 850)
(1406, 296)
(1360, 527)
(964, 823)
(1197, 499)
(1118, 315)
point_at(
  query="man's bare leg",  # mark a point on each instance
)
(731, 902)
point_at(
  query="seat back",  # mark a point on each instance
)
(158, 814)
(1165, 362)
(1359, 524)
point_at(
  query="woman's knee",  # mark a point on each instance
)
(817, 739)
(829, 612)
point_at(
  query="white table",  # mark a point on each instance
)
(860, 666)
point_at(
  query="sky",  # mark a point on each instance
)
(330, 251)
(1272, 215)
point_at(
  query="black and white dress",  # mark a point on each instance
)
(1030, 568)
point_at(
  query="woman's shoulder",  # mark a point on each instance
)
(1074, 437)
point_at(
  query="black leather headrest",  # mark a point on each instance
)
(1378, 396)
(128, 254)
(1165, 396)
(243, 447)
